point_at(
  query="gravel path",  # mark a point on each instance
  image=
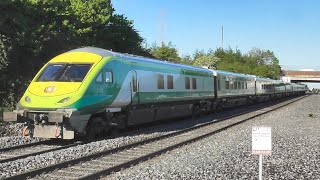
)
(227, 155)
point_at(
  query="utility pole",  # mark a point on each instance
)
(162, 26)
(222, 37)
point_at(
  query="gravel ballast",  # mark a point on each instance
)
(7, 129)
(227, 155)
(43, 160)
(153, 171)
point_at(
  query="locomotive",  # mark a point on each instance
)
(88, 91)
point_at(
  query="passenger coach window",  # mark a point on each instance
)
(99, 78)
(160, 81)
(227, 85)
(187, 82)
(170, 82)
(231, 85)
(194, 83)
(108, 77)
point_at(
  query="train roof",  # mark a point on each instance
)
(106, 53)
(235, 74)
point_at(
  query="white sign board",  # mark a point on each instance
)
(261, 140)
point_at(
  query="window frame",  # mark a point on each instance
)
(160, 81)
(99, 76)
(187, 83)
(170, 84)
(194, 83)
(105, 76)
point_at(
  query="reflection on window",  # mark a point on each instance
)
(187, 83)
(231, 85)
(64, 72)
(99, 78)
(170, 82)
(160, 81)
(134, 84)
(227, 85)
(194, 83)
(108, 77)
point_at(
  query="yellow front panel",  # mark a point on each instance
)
(76, 57)
(53, 88)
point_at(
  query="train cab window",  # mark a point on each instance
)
(242, 85)
(109, 78)
(160, 81)
(64, 72)
(239, 85)
(227, 85)
(99, 78)
(187, 83)
(170, 82)
(246, 85)
(194, 83)
(219, 85)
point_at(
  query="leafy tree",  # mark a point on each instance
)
(33, 31)
(206, 59)
(166, 52)
(186, 60)
(266, 59)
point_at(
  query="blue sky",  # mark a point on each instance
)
(290, 28)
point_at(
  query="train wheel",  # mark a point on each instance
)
(95, 127)
(219, 107)
(196, 111)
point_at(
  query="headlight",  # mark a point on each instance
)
(64, 100)
(27, 99)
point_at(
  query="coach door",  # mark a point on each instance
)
(134, 88)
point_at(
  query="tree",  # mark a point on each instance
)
(206, 59)
(266, 59)
(186, 60)
(258, 62)
(33, 31)
(166, 52)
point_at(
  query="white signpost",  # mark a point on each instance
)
(261, 144)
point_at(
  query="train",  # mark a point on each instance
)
(91, 91)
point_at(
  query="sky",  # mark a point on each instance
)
(289, 28)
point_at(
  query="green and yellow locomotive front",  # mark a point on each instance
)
(55, 103)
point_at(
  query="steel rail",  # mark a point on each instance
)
(39, 152)
(127, 164)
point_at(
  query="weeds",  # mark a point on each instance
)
(312, 115)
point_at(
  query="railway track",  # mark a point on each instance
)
(101, 164)
(33, 149)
